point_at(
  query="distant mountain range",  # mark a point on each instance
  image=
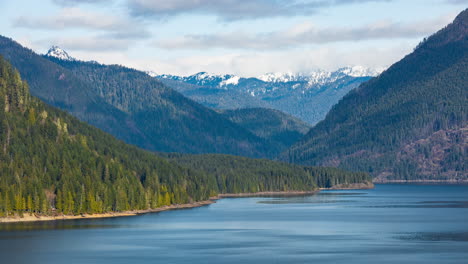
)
(306, 96)
(409, 123)
(135, 107)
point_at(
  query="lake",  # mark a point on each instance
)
(389, 224)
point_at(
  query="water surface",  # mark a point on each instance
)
(389, 224)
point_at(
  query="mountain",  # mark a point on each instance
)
(275, 126)
(57, 52)
(306, 96)
(53, 164)
(131, 105)
(409, 123)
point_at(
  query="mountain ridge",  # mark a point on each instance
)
(305, 97)
(408, 123)
(113, 98)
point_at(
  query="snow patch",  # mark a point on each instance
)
(59, 53)
(231, 81)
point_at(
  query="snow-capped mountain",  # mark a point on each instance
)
(205, 79)
(59, 53)
(319, 76)
(151, 73)
(313, 78)
(307, 96)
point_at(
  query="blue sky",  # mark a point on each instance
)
(244, 37)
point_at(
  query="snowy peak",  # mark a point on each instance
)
(59, 53)
(205, 79)
(319, 76)
(308, 80)
(277, 77)
(151, 73)
(359, 71)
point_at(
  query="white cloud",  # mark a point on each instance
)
(250, 64)
(76, 2)
(77, 18)
(89, 43)
(304, 34)
(234, 9)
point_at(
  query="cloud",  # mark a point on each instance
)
(229, 10)
(253, 64)
(76, 2)
(305, 34)
(76, 18)
(457, 2)
(95, 43)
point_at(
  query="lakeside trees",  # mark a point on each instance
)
(52, 163)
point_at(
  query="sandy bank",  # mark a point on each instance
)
(35, 218)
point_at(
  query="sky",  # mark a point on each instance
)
(243, 37)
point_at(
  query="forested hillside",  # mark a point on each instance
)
(240, 175)
(132, 106)
(409, 123)
(280, 129)
(51, 163)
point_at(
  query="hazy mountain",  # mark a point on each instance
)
(408, 123)
(306, 96)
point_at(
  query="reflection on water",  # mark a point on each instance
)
(390, 224)
(435, 236)
(426, 204)
(53, 225)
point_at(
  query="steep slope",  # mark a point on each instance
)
(308, 97)
(275, 126)
(410, 123)
(166, 119)
(52, 164)
(59, 87)
(131, 105)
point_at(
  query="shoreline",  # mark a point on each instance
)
(36, 218)
(263, 194)
(428, 182)
(33, 218)
(352, 186)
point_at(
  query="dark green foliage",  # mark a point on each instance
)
(280, 129)
(132, 106)
(52, 163)
(166, 120)
(243, 175)
(379, 126)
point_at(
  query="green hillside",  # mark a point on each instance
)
(51, 163)
(132, 106)
(240, 175)
(409, 123)
(280, 129)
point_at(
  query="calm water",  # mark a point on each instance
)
(390, 224)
